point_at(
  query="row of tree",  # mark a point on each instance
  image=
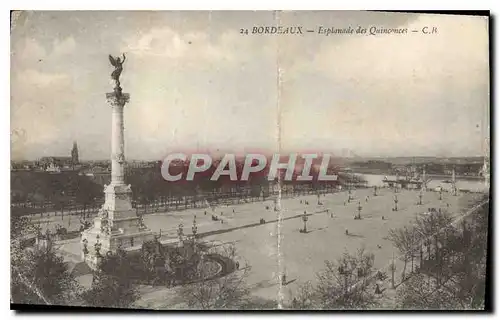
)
(447, 268)
(41, 192)
(452, 261)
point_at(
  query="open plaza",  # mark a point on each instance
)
(271, 243)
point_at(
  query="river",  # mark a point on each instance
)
(462, 184)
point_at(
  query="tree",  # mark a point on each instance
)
(305, 297)
(20, 226)
(112, 285)
(153, 258)
(343, 284)
(405, 240)
(416, 293)
(211, 291)
(181, 262)
(39, 276)
(466, 273)
(435, 229)
(86, 192)
(459, 267)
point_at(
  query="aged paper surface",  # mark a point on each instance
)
(249, 160)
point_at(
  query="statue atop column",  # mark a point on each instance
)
(115, 75)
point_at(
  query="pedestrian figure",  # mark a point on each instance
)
(222, 221)
(383, 218)
(346, 232)
(205, 212)
(233, 210)
(300, 201)
(283, 279)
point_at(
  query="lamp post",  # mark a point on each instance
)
(396, 183)
(305, 218)
(453, 181)
(194, 228)
(180, 233)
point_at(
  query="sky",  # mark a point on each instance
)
(196, 83)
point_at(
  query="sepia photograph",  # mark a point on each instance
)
(250, 160)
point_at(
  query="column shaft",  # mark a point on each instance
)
(117, 145)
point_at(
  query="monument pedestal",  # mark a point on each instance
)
(116, 226)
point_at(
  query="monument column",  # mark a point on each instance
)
(117, 136)
(116, 224)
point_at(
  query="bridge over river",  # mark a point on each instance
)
(433, 182)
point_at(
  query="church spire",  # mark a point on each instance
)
(74, 153)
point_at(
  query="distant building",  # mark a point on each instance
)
(58, 164)
(52, 167)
